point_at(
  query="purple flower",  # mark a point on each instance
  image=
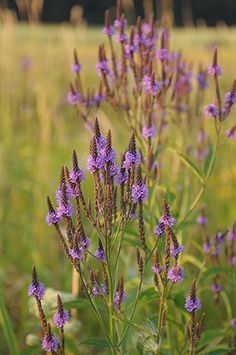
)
(211, 110)
(232, 233)
(192, 304)
(99, 290)
(119, 297)
(121, 37)
(94, 164)
(151, 85)
(129, 49)
(233, 260)
(52, 218)
(159, 229)
(76, 174)
(100, 141)
(201, 153)
(109, 30)
(201, 78)
(85, 242)
(98, 98)
(50, 342)
(214, 70)
(167, 220)
(121, 176)
(102, 67)
(233, 323)
(216, 288)
(220, 238)
(149, 131)
(76, 67)
(60, 318)
(162, 54)
(207, 246)
(117, 23)
(174, 250)
(176, 273)
(201, 219)
(131, 158)
(65, 209)
(36, 289)
(139, 192)
(230, 133)
(76, 253)
(100, 252)
(73, 97)
(201, 136)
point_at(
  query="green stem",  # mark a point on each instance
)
(203, 187)
(133, 312)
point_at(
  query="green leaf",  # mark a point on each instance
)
(185, 225)
(133, 242)
(209, 335)
(79, 303)
(189, 164)
(214, 270)
(8, 330)
(95, 342)
(219, 351)
(208, 160)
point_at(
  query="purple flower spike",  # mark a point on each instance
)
(76, 174)
(94, 164)
(38, 291)
(60, 319)
(201, 219)
(201, 78)
(62, 316)
(176, 274)
(102, 67)
(131, 158)
(211, 110)
(52, 218)
(76, 67)
(73, 97)
(174, 251)
(119, 297)
(65, 209)
(230, 133)
(191, 305)
(76, 253)
(159, 229)
(192, 302)
(233, 260)
(99, 290)
(233, 323)
(109, 30)
(139, 192)
(166, 218)
(207, 246)
(201, 136)
(100, 252)
(232, 233)
(149, 131)
(162, 54)
(50, 342)
(214, 70)
(36, 288)
(216, 288)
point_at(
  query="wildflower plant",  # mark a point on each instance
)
(134, 222)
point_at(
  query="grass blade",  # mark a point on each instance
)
(7, 329)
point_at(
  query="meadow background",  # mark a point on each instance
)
(39, 130)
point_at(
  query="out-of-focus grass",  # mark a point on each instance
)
(38, 131)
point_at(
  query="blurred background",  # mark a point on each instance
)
(39, 129)
(182, 12)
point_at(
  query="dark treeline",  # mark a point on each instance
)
(184, 12)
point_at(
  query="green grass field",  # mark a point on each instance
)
(38, 131)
